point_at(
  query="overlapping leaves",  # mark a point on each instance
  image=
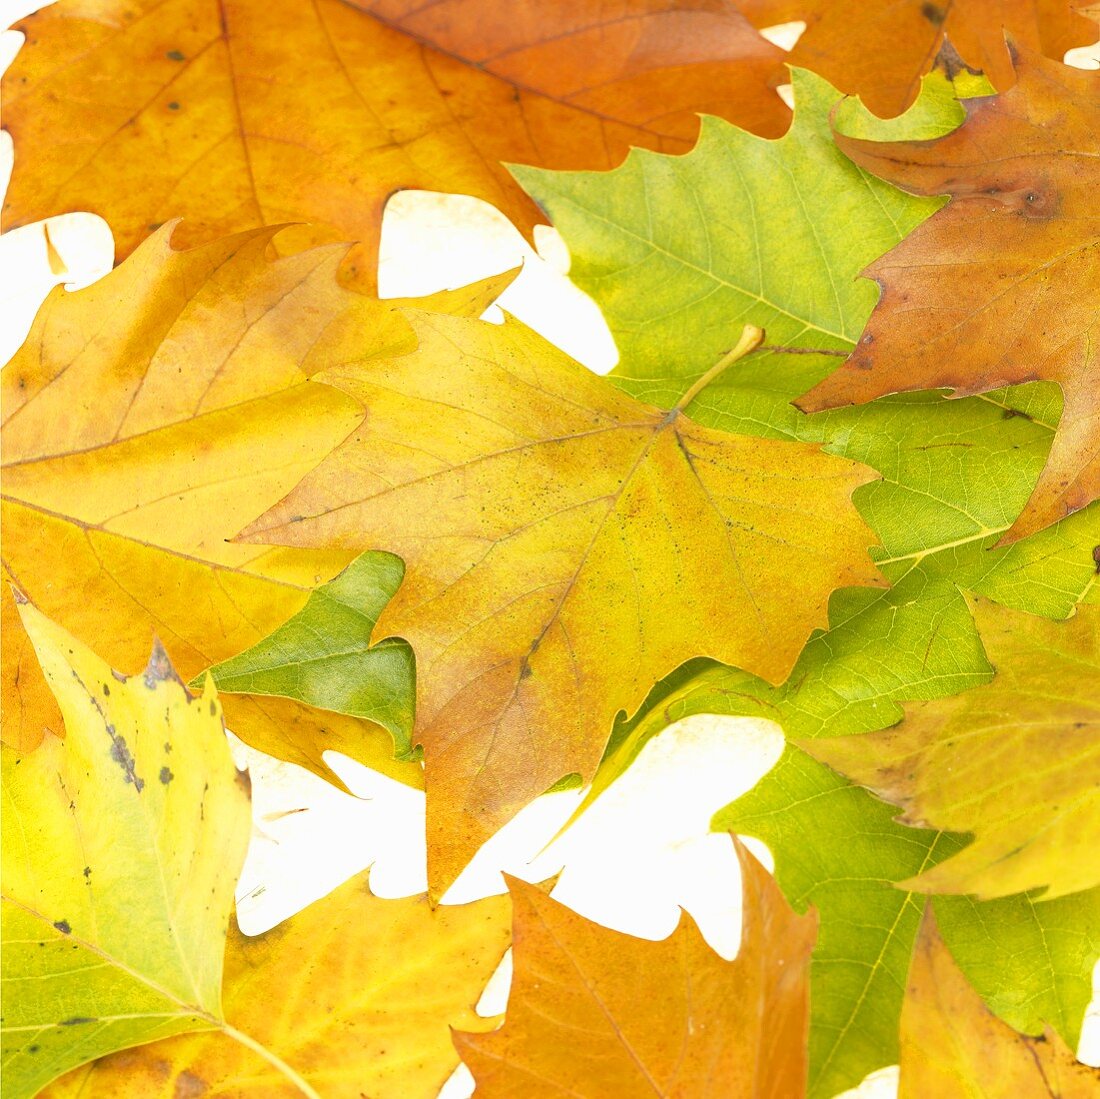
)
(785, 252)
(565, 544)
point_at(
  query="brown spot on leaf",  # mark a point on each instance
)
(77, 1020)
(122, 755)
(159, 669)
(166, 776)
(933, 13)
(63, 926)
(188, 1086)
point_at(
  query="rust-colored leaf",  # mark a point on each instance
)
(594, 1013)
(953, 1045)
(234, 113)
(565, 546)
(879, 49)
(1001, 286)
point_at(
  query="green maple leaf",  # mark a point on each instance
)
(322, 655)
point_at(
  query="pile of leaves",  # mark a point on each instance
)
(843, 478)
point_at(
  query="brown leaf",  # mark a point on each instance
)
(1002, 286)
(1015, 761)
(565, 547)
(953, 1045)
(879, 49)
(234, 113)
(596, 1013)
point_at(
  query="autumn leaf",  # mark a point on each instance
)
(837, 849)
(1015, 762)
(151, 416)
(122, 844)
(593, 1012)
(1001, 286)
(30, 709)
(322, 656)
(179, 116)
(358, 994)
(951, 1044)
(565, 547)
(879, 49)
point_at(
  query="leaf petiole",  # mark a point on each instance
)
(751, 338)
(271, 1058)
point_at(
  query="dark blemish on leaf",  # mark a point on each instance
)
(189, 1086)
(166, 776)
(159, 669)
(121, 754)
(76, 1020)
(63, 926)
(935, 15)
(951, 63)
(867, 338)
(173, 106)
(87, 871)
(106, 691)
(167, 748)
(525, 671)
(174, 55)
(1096, 558)
(33, 1049)
(213, 708)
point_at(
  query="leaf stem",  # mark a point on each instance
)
(271, 1058)
(751, 338)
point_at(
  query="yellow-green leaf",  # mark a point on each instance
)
(121, 848)
(358, 994)
(1016, 761)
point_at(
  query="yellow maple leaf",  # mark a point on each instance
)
(566, 546)
(150, 416)
(122, 845)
